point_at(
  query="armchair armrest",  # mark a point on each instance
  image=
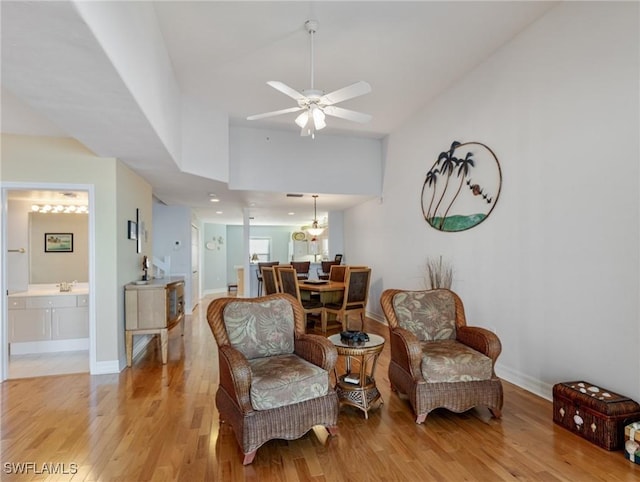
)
(235, 376)
(480, 339)
(406, 351)
(316, 349)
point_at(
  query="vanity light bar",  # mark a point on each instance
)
(59, 208)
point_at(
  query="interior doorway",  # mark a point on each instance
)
(48, 314)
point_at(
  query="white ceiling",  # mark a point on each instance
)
(223, 53)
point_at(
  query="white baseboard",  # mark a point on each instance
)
(530, 384)
(140, 342)
(214, 291)
(377, 317)
(48, 346)
(106, 367)
(526, 382)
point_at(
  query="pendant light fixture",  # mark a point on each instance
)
(315, 230)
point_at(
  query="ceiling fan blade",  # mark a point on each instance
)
(274, 113)
(346, 93)
(351, 115)
(286, 90)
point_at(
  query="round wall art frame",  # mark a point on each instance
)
(462, 187)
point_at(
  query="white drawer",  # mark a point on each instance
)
(82, 300)
(17, 303)
(51, 301)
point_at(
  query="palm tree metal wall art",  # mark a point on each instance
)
(462, 187)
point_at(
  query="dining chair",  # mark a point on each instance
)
(354, 301)
(277, 276)
(288, 282)
(269, 280)
(337, 272)
(325, 268)
(259, 273)
(302, 268)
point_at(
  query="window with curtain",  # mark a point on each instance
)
(260, 247)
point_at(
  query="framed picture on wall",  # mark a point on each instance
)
(132, 230)
(58, 242)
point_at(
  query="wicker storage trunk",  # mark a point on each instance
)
(594, 413)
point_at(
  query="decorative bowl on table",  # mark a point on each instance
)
(353, 337)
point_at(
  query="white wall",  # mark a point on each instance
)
(205, 140)
(554, 269)
(17, 268)
(282, 161)
(214, 261)
(129, 34)
(172, 238)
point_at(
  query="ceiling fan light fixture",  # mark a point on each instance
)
(302, 119)
(314, 103)
(318, 118)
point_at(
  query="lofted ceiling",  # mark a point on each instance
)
(223, 53)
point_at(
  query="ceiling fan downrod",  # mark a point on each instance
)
(312, 28)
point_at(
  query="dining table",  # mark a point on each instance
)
(329, 291)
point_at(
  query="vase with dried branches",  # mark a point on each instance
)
(439, 274)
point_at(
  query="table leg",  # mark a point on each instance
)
(129, 347)
(164, 344)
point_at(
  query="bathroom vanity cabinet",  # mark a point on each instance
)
(47, 318)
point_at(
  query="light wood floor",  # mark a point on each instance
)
(154, 422)
(47, 364)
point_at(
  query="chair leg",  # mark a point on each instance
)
(421, 418)
(496, 412)
(332, 429)
(323, 322)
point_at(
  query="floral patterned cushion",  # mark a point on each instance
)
(282, 380)
(452, 361)
(430, 315)
(260, 329)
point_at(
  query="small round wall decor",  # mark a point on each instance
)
(462, 187)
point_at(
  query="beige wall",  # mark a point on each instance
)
(118, 191)
(133, 193)
(47, 267)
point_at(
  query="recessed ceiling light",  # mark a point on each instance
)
(291, 213)
(214, 200)
(218, 212)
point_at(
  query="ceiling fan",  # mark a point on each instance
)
(314, 103)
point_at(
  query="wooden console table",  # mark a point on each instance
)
(153, 308)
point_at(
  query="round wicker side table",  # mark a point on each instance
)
(357, 386)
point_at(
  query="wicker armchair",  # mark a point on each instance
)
(436, 359)
(274, 378)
